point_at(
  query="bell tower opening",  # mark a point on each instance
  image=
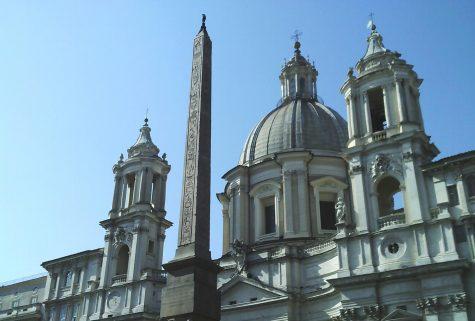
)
(390, 198)
(122, 260)
(376, 105)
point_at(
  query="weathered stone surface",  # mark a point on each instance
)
(191, 292)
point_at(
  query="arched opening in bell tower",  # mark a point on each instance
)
(390, 198)
(376, 106)
(122, 260)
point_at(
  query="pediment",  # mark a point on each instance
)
(241, 290)
(401, 315)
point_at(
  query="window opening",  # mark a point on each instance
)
(453, 195)
(269, 213)
(122, 260)
(68, 276)
(327, 215)
(390, 197)
(301, 85)
(376, 106)
(471, 186)
(150, 247)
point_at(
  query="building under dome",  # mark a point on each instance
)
(323, 219)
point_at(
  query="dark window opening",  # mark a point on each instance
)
(150, 247)
(253, 299)
(269, 213)
(459, 234)
(232, 302)
(122, 260)
(302, 85)
(453, 195)
(376, 106)
(390, 198)
(471, 186)
(327, 215)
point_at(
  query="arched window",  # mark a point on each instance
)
(390, 198)
(471, 185)
(122, 260)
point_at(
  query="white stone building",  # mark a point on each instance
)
(323, 219)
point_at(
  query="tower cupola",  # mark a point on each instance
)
(144, 147)
(298, 77)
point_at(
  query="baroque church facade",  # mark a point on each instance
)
(323, 218)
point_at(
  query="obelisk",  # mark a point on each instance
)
(191, 293)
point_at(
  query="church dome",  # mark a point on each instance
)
(301, 121)
(298, 124)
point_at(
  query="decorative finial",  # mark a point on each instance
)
(121, 158)
(296, 38)
(146, 118)
(164, 156)
(203, 22)
(371, 24)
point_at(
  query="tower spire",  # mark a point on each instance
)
(191, 291)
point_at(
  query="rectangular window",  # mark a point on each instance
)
(453, 195)
(376, 107)
(34, 300)
(150, 247)
(269, 213)
(327, 215)
(15, 303)
(74, 313)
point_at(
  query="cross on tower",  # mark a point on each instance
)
(296, 35)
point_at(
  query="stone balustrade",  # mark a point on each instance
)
(121, 278)
(379, 135)
(395, 218)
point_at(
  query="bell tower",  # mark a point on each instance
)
(386, 148)
(131, 276)
(383, 99)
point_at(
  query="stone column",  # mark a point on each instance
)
(354, 117)
(226, 241)
(106, 259)
(123, 192)
(360, 208)
(367, 114)
(258, 226)
(400, 102)
(410, 112)
(140, 178)
(278, 226)
(161, 241)
(163, 192)
(387, 109)
(462, 194)
(288, 211)
(49, 281)
(351, 133)
(304, 216)
(115, 198)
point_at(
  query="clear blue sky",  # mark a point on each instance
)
(77, 76)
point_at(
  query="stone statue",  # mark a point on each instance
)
(340, 208)
(239, 252)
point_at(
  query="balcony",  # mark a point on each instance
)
(396, 218)
(121, 278)
(377, 136)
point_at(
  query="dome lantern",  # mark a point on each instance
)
(298, 77)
